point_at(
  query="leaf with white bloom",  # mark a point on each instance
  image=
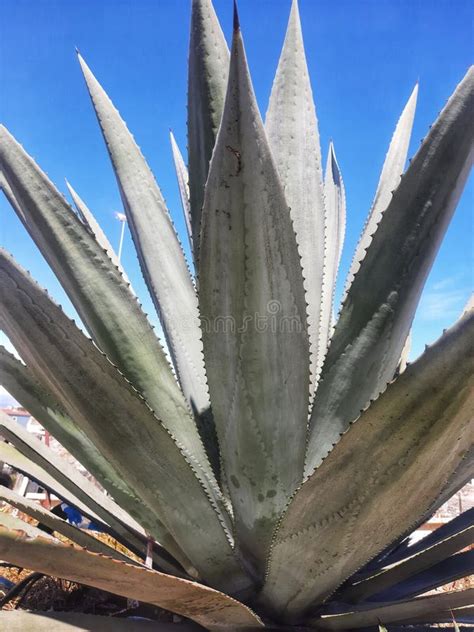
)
(253, 314)
(159, 252)
(377, 314)
(292, 129)
(412, 438)
(88, 218)
(390, 177)
(21, 384)
(335, 201)
(121, 425)
(99, 293)
(207, 81)
(183, 185)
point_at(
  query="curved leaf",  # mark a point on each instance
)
(395, 573)
(292, 128)
(22, 385)
(207, 81)
(39, 462)
(11, 522)
(121, 425)
(88, 218)
(21, 621)
(335, 202)
(398, 454)
(45, 517)
(420, 610)
(253, 318)
(183, 185)
(159, 252)
(449, 570)
(390, 177)
(99, 293)
(373, 325)
(446, 531)
(53, 471)
(208, 607)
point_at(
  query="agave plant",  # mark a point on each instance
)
(270, 475)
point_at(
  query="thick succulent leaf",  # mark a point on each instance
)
(99, 293)
(208, 607)
(335, 202)
(27, 462)
(11, 522)
(402, 363)
(183, 185)
(122, 426)
(449, 570)
(57, 524)
(395, 573)
(41, 463)
(462, 475)
(390, 177)
(22, 385)
(253, 318)
(398, 454)
(292, 129)
(420, 610)
(88, 218)
(453, 527)
(377, 314)
(160, 254)
(207, 81)
(7, 190)
(23, 621)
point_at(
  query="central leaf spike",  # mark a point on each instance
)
(254, 323)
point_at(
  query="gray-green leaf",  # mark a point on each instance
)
(292, 128)
(400, 452)
(207, 81)
(253, 318)
(378, 311)
(159, 252)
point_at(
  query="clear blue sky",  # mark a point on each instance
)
(364, 57)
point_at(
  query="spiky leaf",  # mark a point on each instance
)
(335, 202)
(292, 130)
(395, 573)
(253, 318)
(208, 607)
(390, 177)
(55, 523)
(373, 325)
(420, 610)
(21, 384)
(412, 438)
(98, 291)
(121, 425)
(183, 185)
(207, 81)
(160, 254)
(88, 218)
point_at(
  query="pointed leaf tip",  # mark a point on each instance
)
(236, 23)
